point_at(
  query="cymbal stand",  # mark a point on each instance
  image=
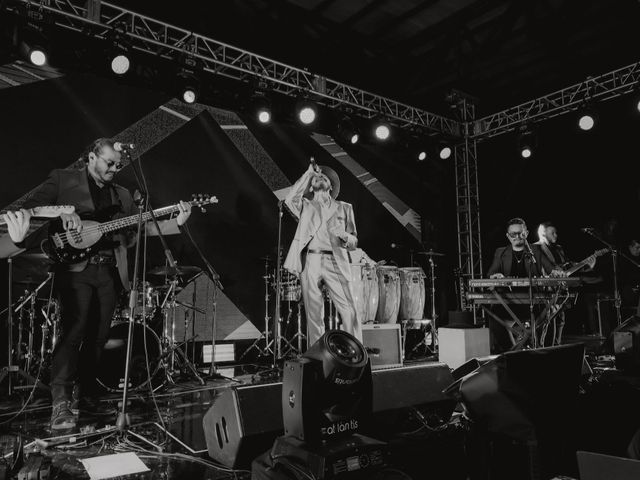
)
(299, 337)
(434, 315)
(263, 352)
(10, 369)
(171, 348)
(282, 333)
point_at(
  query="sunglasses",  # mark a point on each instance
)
(517, 234)
(111, 163)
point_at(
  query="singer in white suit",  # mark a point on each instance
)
(319, 251)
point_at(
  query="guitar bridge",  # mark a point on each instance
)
(57, 241)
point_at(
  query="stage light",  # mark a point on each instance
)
(527, 141)
(261, 107)
(586, 122)
(348, 131)
(382, 132)
(189, 95)
(307, 111)
(526, 152)
(120, 64)
(422, 155)
(38, 56)
(638, 105)
(445, 152)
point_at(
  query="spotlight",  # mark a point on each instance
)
(445, 152)
(422, 155)
(120, 64)
(307, 112)
(348, 131)
(586, 122)
(382, 131)
(261, 107)
(638, 105)
(189, 94)
(38, 56)
(527, 142)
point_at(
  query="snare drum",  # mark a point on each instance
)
(389, 294)
(412, 293)
(366, 295)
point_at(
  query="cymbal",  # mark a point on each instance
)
(431, 253)
(180, 271)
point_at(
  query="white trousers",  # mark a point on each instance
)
(321, 267)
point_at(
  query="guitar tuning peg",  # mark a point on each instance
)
(203, 210)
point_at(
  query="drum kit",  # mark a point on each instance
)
(157, 356)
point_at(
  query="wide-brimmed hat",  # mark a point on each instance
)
(333, 178)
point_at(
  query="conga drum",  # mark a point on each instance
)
(412, 294)
(389, 288)
(365, 291)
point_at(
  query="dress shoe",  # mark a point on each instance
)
(62, 418)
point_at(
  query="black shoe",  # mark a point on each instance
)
(61, 416)
(93, 406)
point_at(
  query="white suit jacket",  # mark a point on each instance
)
(309, 218)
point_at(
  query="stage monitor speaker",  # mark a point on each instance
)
(243, 422)
(626, 345)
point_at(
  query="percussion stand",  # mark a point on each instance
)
(10, 369)
(299, 336)
(265, 335)
(434, 315)
(174, 350)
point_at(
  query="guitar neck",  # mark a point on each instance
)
(125, 222)
(576, 267)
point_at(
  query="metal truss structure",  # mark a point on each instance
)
(603, 87)
(160, 39)
(467, 198)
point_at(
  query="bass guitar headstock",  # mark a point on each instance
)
(200, 200)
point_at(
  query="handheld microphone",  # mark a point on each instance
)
(121, 147)
(313, 163)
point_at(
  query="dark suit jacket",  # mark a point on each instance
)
(547, 253)
(503, 259)
(71, 187)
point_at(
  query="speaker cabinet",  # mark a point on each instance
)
(387, 338)
(243, 422)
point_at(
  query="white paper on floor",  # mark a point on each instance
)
(109, 466)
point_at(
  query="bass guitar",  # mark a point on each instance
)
(72, 246)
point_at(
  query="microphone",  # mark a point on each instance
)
(313, 163)
(530, 251)
(121, 147)
(586, 229)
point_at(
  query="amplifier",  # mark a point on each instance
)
(387, 338)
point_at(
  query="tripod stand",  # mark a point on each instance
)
(10, 370)
(264, 337)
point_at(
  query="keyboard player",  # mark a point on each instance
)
(512, 261)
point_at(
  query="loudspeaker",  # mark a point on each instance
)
(243, 422)
(626, 345)
(387, 338)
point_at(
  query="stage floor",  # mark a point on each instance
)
(169, 438)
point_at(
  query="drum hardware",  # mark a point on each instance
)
(10, 370)
(264, 337)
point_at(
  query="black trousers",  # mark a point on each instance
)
(88, 301)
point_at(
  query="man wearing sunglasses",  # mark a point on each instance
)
(88, 290)
(511, 261)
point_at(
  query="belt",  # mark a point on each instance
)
(102, 260)
(321, 252)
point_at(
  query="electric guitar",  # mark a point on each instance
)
(71, 246)
(585, 262)
(48, 211)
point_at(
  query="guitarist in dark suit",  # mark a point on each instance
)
(88, 290)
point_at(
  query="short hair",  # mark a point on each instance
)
(543, 226)
(516, 221)
(95, 147)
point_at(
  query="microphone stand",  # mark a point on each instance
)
(532, 316)
(614, 259)
(276, 313)
(217, 285)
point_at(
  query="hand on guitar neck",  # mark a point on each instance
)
(18, 221)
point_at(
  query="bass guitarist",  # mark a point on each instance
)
(88, 290)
